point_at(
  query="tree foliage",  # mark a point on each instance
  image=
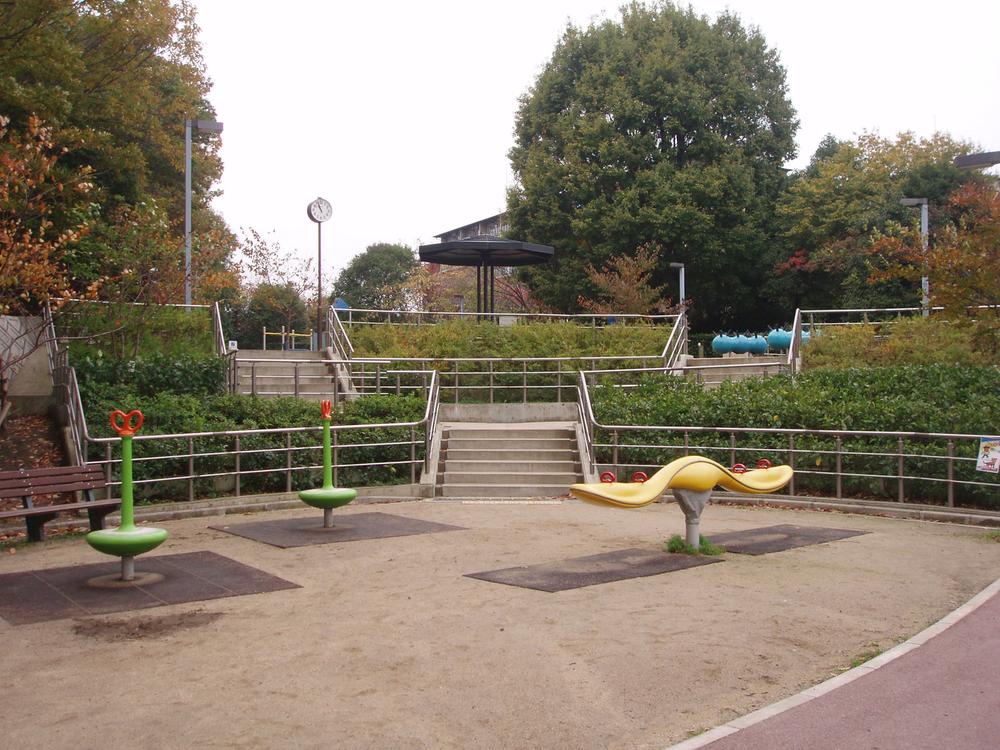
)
(664, 126)
(32, 197)
(113, 82)
(961, 263)
(624, 285)
(372, 279)
(847, 197)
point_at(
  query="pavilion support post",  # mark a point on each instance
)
(492, 297)
(479, 303)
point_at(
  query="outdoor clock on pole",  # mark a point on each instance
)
(319, 211)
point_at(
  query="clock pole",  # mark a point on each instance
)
(319, 211)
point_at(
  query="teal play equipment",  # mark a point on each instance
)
(327, 497)
(127, 540)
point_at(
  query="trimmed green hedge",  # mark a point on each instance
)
(184, 394)
(464, 338)
(937, 398)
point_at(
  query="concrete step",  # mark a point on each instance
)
(571, 466)
(510, 454)
(465, 433)
(500, 490)
(490, 444)
(564, 479)
(278, 354)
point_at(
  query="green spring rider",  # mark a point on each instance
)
(128, 540)
(327, 497)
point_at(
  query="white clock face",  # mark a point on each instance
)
(320, 210)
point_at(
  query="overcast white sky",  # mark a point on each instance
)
(401, 113)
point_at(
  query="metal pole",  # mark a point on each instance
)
(682, 284)
(319, 286)
(925, 287)
(187, 214)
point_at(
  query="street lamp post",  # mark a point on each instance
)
(925, 288)
(680, 273)
(210, 126)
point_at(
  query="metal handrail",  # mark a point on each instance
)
(839, 453)
(338, 334)
(220, 337)
(420, 314)
(676, 342)
(796, 342)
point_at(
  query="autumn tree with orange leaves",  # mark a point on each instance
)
(962, 261)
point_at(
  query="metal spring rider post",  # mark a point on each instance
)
(128, 540)
(327, 497)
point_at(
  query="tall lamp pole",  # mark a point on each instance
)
(680, 274)
(210, 126)
(925, 288)
(319, 211)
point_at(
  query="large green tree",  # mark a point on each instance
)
(372, 279)
(113, 80)
(847, 198)
(664, 126)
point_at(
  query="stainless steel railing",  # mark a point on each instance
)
(932, 467)
(372, 316)
(235, 455)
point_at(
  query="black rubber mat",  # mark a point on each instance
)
(779, 538)
(77, 590)
(591, 570)
(352, 527)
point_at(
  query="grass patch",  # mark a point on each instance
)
(992, 536)
(677, 545)
(866, 655)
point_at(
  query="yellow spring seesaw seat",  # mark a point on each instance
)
(692, 479)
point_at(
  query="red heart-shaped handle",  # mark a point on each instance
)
(122, 423)
(325, 409)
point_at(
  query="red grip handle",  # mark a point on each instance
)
(122, 423)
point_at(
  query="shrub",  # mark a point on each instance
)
(937, 398)
(906, 341)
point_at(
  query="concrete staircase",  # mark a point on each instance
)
(739, 367)
(512, 460)
(284, 373)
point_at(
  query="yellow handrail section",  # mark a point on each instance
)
(694, 473)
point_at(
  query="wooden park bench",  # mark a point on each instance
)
(28, 484)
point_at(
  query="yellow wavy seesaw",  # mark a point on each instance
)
(691, 473)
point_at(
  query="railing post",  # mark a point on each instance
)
(397, 383)
(455, 384)
(190, 469)
(951, 473)
(237, 451)
(288, 462)
(899, 472)
(524, 381)
(253, 378)
(614, 451)
(687, 443)
(791, 464)
(107, 471)
(296, 365)
(491, 381)
(559, 381)
(378, 378)
(840, 466)
(413, 454)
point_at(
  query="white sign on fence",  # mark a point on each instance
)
(989, 455)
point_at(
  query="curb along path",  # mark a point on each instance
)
(939, 689)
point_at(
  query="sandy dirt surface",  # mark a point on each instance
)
(387, 644)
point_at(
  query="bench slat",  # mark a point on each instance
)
(51, 488)
(50, 471)
(59, 508)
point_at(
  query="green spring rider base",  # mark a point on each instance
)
(128, 540)
(327, 497)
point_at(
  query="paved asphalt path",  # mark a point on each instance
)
(944, 694)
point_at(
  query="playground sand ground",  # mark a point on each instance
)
(387, 644)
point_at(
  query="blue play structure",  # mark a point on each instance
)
(777, 339)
